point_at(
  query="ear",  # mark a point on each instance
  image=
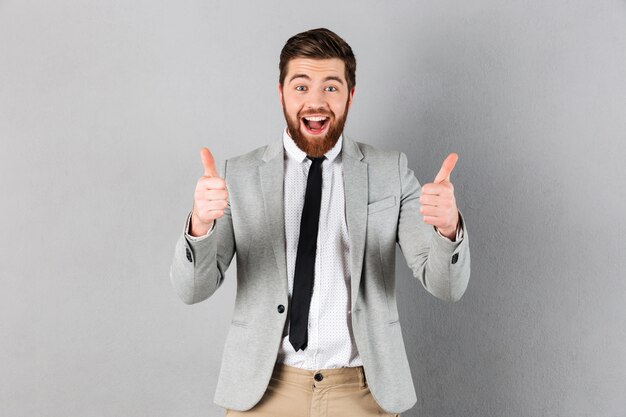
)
(351, 96)
(280, 94)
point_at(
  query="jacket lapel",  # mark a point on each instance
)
(271, 174)
(355, 182)
(356, 194)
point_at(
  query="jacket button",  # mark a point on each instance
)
(281, 308)
(318, 377)
(455, 258)
(188, 253)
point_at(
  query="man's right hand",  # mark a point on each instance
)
(210, 198)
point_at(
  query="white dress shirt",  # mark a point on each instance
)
(330, 340)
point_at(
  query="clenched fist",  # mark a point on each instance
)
(210, 198)
(438, 205)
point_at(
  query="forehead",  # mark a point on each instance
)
(316, 68)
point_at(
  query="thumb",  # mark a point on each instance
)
(208, 163)
(446, 168)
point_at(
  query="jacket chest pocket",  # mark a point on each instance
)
(381, 205)
(382, 220)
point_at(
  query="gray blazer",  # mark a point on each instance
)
(382, 209)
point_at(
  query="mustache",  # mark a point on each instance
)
(316, 112)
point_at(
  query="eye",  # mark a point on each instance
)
(330, 88)
(300, 88)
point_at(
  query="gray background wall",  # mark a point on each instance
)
(104, 104)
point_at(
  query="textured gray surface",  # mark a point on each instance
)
(103, 106)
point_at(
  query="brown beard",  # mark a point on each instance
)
(318, 147)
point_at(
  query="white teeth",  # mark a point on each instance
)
(315, 118)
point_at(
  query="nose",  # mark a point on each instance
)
(315, 99)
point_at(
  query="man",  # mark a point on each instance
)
(314, 219)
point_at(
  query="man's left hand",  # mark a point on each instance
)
(438, 205)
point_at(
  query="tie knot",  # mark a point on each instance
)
(317, 161)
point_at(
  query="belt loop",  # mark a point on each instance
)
(362, 381)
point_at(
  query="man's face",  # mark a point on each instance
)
(315, 100)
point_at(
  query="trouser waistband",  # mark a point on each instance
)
(320, 377)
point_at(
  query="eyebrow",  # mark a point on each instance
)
(306, 77)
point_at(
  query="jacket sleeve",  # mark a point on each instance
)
(199, 265)
(442, 266)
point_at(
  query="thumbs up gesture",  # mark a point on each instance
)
(438, 206)
(210, 198)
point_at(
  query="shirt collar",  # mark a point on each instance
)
(299, 155)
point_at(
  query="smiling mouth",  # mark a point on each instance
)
(315, 125)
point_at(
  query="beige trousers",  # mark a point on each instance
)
(294, 392)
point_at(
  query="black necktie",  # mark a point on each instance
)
(305, 258)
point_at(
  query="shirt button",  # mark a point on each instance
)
(281, 308)
(318, 377)
(188, 253)
(455, 258)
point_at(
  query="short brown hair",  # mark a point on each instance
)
(318, 44)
